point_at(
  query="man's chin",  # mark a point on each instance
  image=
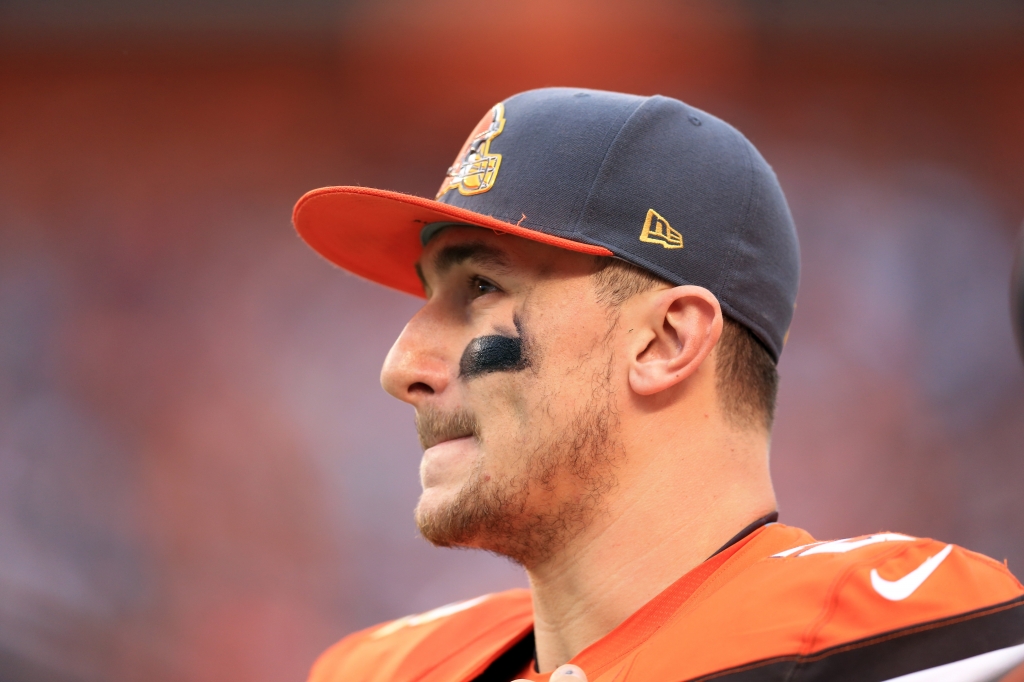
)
(439, 520)
(433, 503)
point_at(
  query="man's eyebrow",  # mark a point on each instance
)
(476, 252)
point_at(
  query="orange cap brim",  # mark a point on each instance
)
(375, 234)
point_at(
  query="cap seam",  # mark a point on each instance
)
(730, 270)
(604, 160)
(554, 231)
(733, 246)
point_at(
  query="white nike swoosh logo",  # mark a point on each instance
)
(898, 590)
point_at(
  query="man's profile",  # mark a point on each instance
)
(609, 283)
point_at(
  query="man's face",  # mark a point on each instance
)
(511, 367)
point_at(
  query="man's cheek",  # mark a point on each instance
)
(509, 415)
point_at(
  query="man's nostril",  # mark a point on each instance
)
(420, 387)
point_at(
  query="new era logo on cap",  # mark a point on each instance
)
(656, 230)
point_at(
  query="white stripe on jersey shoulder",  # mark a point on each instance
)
(429, 616)
(986, 667)
(842, 546)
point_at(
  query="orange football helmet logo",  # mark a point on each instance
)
(476, 168)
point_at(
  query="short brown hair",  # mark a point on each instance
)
(746, 378)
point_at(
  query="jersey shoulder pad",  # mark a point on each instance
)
(452, 635)
(802, 605)
(889, 581)
(891, 578)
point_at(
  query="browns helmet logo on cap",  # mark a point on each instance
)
(476, 168)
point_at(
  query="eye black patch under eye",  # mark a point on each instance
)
(495, 353)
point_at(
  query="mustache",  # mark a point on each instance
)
(434, 426)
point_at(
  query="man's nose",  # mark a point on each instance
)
(417, 366)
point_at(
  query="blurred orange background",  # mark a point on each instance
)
(200, 477)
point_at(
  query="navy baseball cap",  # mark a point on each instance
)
(650, 180)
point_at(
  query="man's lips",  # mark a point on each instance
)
(448, 462)
(445, 439)
(435, 427)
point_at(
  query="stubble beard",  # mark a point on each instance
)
(552, 498)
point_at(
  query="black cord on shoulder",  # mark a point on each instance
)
(763, 521)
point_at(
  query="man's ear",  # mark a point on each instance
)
(675, 330)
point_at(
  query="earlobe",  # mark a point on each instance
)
(680, 327)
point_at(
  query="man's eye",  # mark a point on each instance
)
(481, 286)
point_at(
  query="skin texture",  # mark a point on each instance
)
(600, 460)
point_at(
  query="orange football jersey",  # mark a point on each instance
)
(775, 605)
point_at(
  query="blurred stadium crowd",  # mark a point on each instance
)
(200, 478)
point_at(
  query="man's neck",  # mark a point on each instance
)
(670, 516)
